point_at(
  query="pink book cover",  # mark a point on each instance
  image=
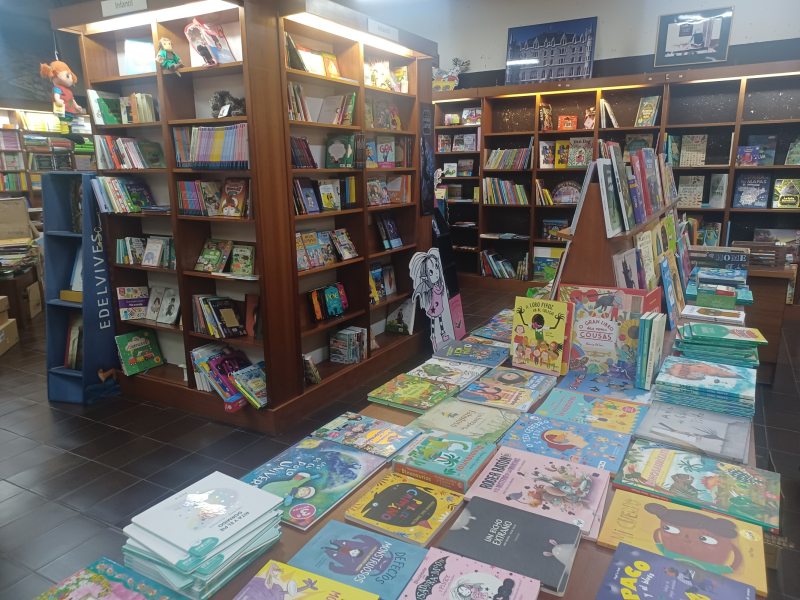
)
(446, 576)
(553, 488)
(457, 315)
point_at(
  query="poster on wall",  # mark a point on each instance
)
(427, 167)
(690, 38)
(551, 51)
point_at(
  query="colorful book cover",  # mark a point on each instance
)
(411, 393)
(605, 344)
(752, 190)
(726, 334)
(446, 576)
(278, 580)
(669, 293)
(609, 300)
(744, 493)
(720, 545)
(405, 508)
(786, 193)
(648, 109)
(312, 477)
(604, 386)
(484, 424)
(477, 340)
(565, 440)
(479, 354)
(363, 560)
(637, 573)
(613, 415)
(132, 302)
(367, 434)
(707, 378)
(138, 351)
(553, 488)
(494, 394)
(448, 371)
(494, 332)
(540, 335)
(519, 378)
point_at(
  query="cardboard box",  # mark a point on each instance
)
(3, 309)
(34, 299)
(8, 335)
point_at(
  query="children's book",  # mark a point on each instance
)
(669, 292)
(234, 196)
(170, 307)
(278, 580)
(565, 440)
(312, 477)
(411, 393)
(366, 561)
(214, 256)
(603, 386)
(469, 352)
(612, 211)
(720, 545)
(648, 109)
(133, 302)
(446, 576)
(212, 196)
(580, 152)
(242, 260)
(483, 424)
(610, 300)
(561, 154)
(152, 252)
(494, 331)
(540, 336)
(547, 154)
(688, 376)
(494, 394)
(613, 415)
(786, 194)
(726, 335)
(634, 572)
(448, 371)
(303, 263)
(367, 434)
(745, 493)
(479, 340)
(451, 462)
(693, 150)
(752, 190)
(519, 378)
(401, 319)
(405, 508)
(138, 351)
(635, 142)
(154, 302)
(513, 539)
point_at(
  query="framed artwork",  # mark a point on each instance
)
(551, 51)
(690, 38)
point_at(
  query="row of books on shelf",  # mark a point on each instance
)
(575, 153)
(224, 147)
(760, 151)
(159, 304)
(380, 114)
(323, 195)
(455, 192)
(232, 198)
(50, 161)
(152, 251)
(217, 316)
(9, 139)
(382, 282)
(128, 153)
(228, 372)
(565, 192)
(335, 110)
(12, 161)
(552, 226)
(494, 265)
(10, 182)
(215, 254)
(346, 151)
(468, 116)
(122, 194)
(393, 189)
(387, 229)
(327, 302)
(462, 168)
(645, 116)
(461, 142)
(112, 109)
(42, 142)
(498, 191)
(317, 249)
(752, 190)
(379, 73)
(513, 158)
(85, 162)
(389, 151)
(349, 345)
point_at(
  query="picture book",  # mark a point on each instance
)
(623, 189)
(786, 193)
(234, 197)
(691, 376)
(479, 354)
(609, 300)
(483, 424)
(132, 302)
(612, 212)
(479, 340)
(693, 150)
(519, 378)
(138, 351)
(367, 434)
(242, 259)
(411, 393)
(726, 335)
(510, 538)
(720, 545)
(561, 154)
(312, 477)
(690, 191)
(401, 319)
(446, 576)
(154, 302)
(448, 371)
(580, 152)
(366, 561)
(545, 263)
(405, 508)
(613, 415)
(540, 335)
(565, 440)
(669, 293)
(626, 270)
(634, 572)
(494, 332)
(547, 154)
(752, 190)
(448, 462)
(214, 256)
(745, 493)
(605, 344)
(170, 307)
(494, 394)
(648, 110)
(278, 580)
(603, 386)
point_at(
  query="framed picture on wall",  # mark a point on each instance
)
(693, 37)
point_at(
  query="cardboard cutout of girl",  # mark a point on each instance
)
(427, 277)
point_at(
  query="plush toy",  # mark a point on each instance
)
(167, 58)
(64, 105)
(220, 99)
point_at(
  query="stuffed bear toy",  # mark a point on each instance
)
(220, 99)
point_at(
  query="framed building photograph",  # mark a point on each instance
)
(551, 51)
(690, 38)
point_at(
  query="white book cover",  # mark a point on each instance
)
(644, 242)
(716, 315)
(690, 191)
(448, 371)
(625, 269)
(719, 189)
(329, 113)
(170, 307)
(152, 253)
(611, 208)
(76, 282)
(154, 303)
(657, 327)
(693, 150)
(547, 155)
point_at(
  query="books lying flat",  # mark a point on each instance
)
(745, 493)
(446, 576)
(278, 580)
(411, 393)
(725, 335)
(707, 379)
(329, 473)
(512, 539)
(405, 508)
(367, 561)
(484, 424)
(582, 444)
(706, 403)
(367, 434)
(519, 378)
(448, 371)
(620, 416)
(603, 386)
(494, 332)
(715, 315)
(721, 545)
(494, 394)
(469, 352)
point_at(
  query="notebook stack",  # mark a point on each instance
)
(707, 385)
(197, 540)
(726, 344)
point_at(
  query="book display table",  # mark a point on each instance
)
(769, 300)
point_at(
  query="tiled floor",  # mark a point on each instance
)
(71, 477)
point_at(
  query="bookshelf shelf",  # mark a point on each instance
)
(765, 210)
(126, 79)
(128, 126)
(343, 263)
(698, 209)
(317, 326)
(556, 206)
(150, 323)
(296, 172)
(249, 341)
(459, 202)
(211, 171)
(509, 133)
(770, 122)
(391, 170)
(389, 131)
(390, 206)
(471, 251)
(459, 152)
(455, 127)
(389, 341)
(330, 213)
(170, 374)
(548, 241)
(215, 219)
(389, 299)
(234, 68)
(628, 129)
(495, 171)
(129, 171)
(701, 168)
(295, 74)
(141, 215)
(766, 168)
(392, 250)
(314, 124)
(564, 132)
(215, 276)
(141, 268)
(209, 121)
(461, 177)
(485, 205)
(374, 90)
(698, 125)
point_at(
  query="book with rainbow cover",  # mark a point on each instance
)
(620, 416)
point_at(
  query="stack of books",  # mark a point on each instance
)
(494, 265)
(212, 147)
(744, 297)
(411, 393)
(251, 383)
(198, 539)
(122, 195)
(152, 251)
(497, 191)
(301, 153)
(233, 198)
(349, 345)
(128, 153)
(737, 346)
(211, 364)
(217, 316)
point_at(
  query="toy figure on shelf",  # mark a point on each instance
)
(64, 105)
(167, 58)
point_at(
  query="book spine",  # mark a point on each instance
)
(449, 483)
(700, 393)
(643, 356)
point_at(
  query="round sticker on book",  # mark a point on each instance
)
(303, 511)
(751, 535)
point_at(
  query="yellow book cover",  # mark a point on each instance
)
(216, 146)
(405, 508)
(718, 544)
(278, 580)
(676, 280)
(562, 153)
(539, 335)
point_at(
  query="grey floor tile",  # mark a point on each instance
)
(107, 543)
(28, 587)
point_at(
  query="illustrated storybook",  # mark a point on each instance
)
(367, 434)
(726, 335)
(603, 386)
(484, 424)
(494, 394)
(605, 344)
(565, 440)
(312, 477)
(540, 336)
(720, 545)
(520, 378)
(607, 300)
(446, 576)
(634, 572)
(557, 489)
(405, 508)
(620, 416)
(364, 560)
(138, 351)
(278, 580)
(484, 355)
(411, 393)
(745, 493)
(493, 332)
(451, 372)
(698, 377)
(509, 538)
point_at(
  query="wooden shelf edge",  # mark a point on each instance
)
(317, 326)
(341, 263)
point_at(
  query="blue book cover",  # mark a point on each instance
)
(699, 377)
(621, 416)
(637, 573)
(478, 354)
(752, 190)
(362, 559)
(669, 293)
(494, 331)
(603, 387)
(367, 434)
(582, 444)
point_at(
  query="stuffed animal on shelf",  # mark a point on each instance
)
(167, 58)
(221, 99)
(64, 105)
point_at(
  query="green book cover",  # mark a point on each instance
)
(411, 393)
(111, 111)
(138, 351)
(481, 423)
(242, 260)
(726, 334)
(153, 155)
(339, 153)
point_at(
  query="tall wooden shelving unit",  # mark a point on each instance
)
(727, 103)
(261, 75)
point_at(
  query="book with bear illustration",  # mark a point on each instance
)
(613, 415)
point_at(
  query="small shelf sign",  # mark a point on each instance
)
(113, 8)
(384, 31)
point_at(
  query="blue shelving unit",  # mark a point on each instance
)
(61, 245)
